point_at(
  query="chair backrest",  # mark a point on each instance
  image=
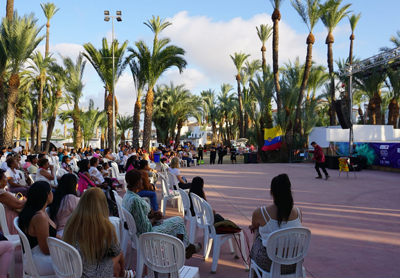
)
(118, 200)
(287, 246)
(32, 177)
(3, 220)
(66, 260)
(74, 165)
(26, 249)
(130, 221)
(161, 253)
(114, 170)
(186, 202)
(22, 180)
(208, 215)
(199, 211)
(173, 181)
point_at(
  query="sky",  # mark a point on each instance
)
(209, 32)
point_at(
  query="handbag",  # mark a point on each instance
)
(226, 227)
(19, 196)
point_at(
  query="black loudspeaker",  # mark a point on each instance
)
(343, 113)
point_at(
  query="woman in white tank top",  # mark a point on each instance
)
(281, 214)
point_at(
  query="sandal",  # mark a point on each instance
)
(129, 274)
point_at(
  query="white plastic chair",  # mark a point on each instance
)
(28, 254)
(74, 165)
(132, 231)
(22, 177)
(173, 182)
(32, 177)
(169, 194)
(14, 239)
(117, 175)
(188, 215)
(285, 247)
(164, 254)
(124, 233)
(67, 262)
(205, 215)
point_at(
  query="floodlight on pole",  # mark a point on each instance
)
(119, 19)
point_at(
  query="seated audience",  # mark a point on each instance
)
(280, 215)
(65, 164)
(147, 189)
(34, 167)
(93, 235)
(15, 185)
(144, 165)
(150, 222)
(174, 170)
(37, 226)
(64, 202)
(43, 173)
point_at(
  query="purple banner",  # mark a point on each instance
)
(386, 154)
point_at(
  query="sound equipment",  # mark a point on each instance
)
(343, 113)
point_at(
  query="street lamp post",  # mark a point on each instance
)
(119, 19)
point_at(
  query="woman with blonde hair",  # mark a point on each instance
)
(174, 165)
(93, 235)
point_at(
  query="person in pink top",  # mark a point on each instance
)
(64, 202)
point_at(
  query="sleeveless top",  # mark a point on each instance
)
(33, 242)
(272, 225)
(40, 177)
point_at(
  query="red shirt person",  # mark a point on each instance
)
(319, 158)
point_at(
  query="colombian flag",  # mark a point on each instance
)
(272, 137)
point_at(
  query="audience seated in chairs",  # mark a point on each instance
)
(64, 202)
(146, 222)
(174, 170)
(43, 173)
(147, 189)
(37, 226)
(90, 231)
(280, 215)
(16, 183)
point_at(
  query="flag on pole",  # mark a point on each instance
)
(272, 137)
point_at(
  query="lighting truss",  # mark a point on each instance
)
(372, 62)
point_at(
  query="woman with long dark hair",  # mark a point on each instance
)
(132, 163)
(37, 226)
(64, 202)
(280, 215)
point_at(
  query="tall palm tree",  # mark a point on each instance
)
(310, 12)
(49, 10)
(9, 9)
(39, 65)
(101, 60)
(3, 66)
(276, 17)
(239, 59)
(210, 110)
(353, 24)
(154, 63)
(19, 37)
(74, 86)
(226, 108)
(331, 18)
(124, 123)
(264, 33)
(140, 81)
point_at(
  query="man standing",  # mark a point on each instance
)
(220, 150)
(319, 158)
(213, 154)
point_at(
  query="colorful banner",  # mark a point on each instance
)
(272, 137)
(387, 155)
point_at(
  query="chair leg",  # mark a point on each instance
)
(163, 206)
(128, 261)
(216, 251)
(192, 230)
(11, 270)
(208, 249)
(243, 246)
(231, 246)
(139, 266)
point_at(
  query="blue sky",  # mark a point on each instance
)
(209, 31)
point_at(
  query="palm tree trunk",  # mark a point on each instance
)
(33, 131)
(47, 38)
(264, 60)
(246, 124)
(65, 131)
(360, 112)
(276, 17)
(122, 138)
(10, 9)
(18, 133)
(214, 132)
(11, 111)
(240, 107)
(77, 128)
(109, 130)
(39, 115)
(2, 108)
(102, 138)
(393, 112)
(306, 75)
(179, 128)
(329, 41)
(148, 115)
(352, 37)
(52, 123)
(136, 124)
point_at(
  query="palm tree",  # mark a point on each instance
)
(353, 24)
(264, 33)
(10, 10)
(90, 119)
(39, 65)
(49, 10)
(140, 82)
(239, 59)
(310, 12)
(74, 87)
(331, 18)
(124, 123)
(154, 63)
(210, 110)
(226, 108)
(395, 40)
(276, 17)
(101, 60)
(19, 37)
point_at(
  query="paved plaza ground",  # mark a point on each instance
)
(355, 223)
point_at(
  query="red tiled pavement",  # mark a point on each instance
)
(355, 223)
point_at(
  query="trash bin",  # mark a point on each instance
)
(246, 158)
(157, 157)
(254, 157)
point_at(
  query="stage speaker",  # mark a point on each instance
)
(343, 113)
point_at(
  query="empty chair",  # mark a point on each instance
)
(67, 262)
(188, 215)
(164, 254)
(27, 252)
(169, 194)
(205, 216)
(14, 239)
(285, 247)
